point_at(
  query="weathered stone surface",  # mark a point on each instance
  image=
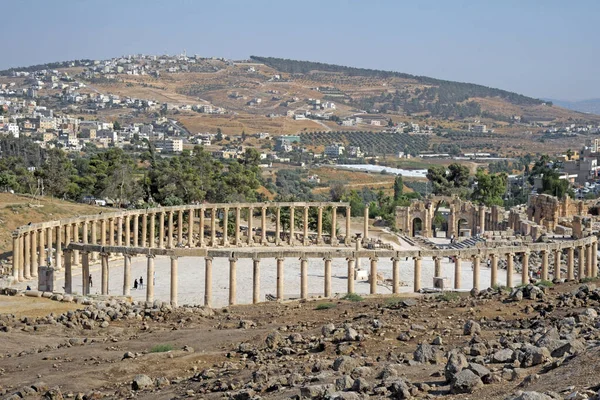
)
(344, 364)
(426, 353)
(466, 381)
(471, 328)
(503, 356)
(141, 382)
(534, 355)
(456, 363)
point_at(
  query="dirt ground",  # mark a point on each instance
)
(43, 355)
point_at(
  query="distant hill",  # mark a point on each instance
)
(591, 106)
(440, 98)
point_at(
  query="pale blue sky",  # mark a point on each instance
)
(539, 48)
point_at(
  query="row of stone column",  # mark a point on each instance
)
(45, 246)
(587, 267)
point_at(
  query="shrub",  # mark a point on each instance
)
(449, 296)
(589, 279)
(161, 348)
(353, 297)
(501, 288)
(545, 283)
(324, 306)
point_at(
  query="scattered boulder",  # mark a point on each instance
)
(471, 328)
(141, 382)
(466, 381)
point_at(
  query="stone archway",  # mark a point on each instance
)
(416, 226)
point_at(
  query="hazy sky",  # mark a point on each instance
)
(547, 48)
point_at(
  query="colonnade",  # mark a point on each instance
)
(196, 226)
(586, 249)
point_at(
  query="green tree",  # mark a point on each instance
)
(446, 182)
(490, 188)
(116, 126)
(398, 187)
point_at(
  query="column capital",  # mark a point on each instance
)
(419, 258)
(303, 258)
(395, 258)
(350, 258)
(374, 258)
(457, 257)
(102, 253)
(233, 259)
(476, 256)
(327, 258)
(256, 259)
(150, 256)
(280, 258)
(208, 258)
(174, 258)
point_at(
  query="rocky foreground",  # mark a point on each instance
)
(533, 343)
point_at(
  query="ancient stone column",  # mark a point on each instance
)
(49, 253)
(152, 233)
(327, 277)
(15, 258)
(150, 279)
(126, 274)
(119, 232)
(494, 270)
(348, 238)
(263, 226)
(255, 280)
(334, 240)
(127, 241)
(280, 279)
(94, 235)
(395, 275)
(250, 226)
(75, 240)
(351, 263)
(557, 272)
(581, 267)
(320, 225)
(59, 250)
(161, 230)
(303, 277)
(570, 263)
(136, 228)
(438, 266)
(179, 228)
(102, 233)
(373, 275)
(509, 269)
(232, 280)
(26, 254)
(366, 224)
(213, 226)
(85, 273)
(292, 225)
(457, 271)
(594, 258)
(171, 232)
(201, 227)
(237, 226)
(226, 226)
(191, 228)
(588, 259)
(544, 276)
(208, 281)
(476, 267)
(278, 226)
(417, 278)
(111, 231)
(41, 248)
(305, 241)
(34, 257)
(144, 241)
(104, 261)
(68, 271)
(525, 269)
(174, 281)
